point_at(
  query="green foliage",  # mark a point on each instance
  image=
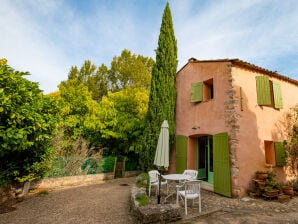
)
(3, 61)
(142, 180)
(68, 156)
(132, 163)
(95, 79)
(294, 183)
(127, 70)
(27, 121)
(108, 164)
(105, 106)
(90, 165)
(130, 70)
(43, 192)
(142, 199)
(79, 111)
(291, 144)
(162, 97)
(120, 118)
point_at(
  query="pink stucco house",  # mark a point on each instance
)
(229, 115)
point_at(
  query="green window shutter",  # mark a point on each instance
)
(280, 155)
(181, 153)
(196, 92)
(263, 90)
(277, 95)
(221, 164)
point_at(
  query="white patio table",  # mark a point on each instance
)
(173, 179)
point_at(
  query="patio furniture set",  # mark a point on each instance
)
(185, 186)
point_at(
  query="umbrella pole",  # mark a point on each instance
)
(159, 185)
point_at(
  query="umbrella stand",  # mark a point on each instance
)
(159, 186)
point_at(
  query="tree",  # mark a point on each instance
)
(27, 121)
(78, 129)
(130, 70)
(120, 117)
(96, 79)
(126, 70)
(78, 110)
(163, 93)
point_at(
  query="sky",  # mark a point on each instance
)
(47, 37)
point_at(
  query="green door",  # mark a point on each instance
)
(221, 162)
(181, 153)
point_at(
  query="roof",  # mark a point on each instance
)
(246, 65)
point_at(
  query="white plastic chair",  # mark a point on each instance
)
(189, 190)
(192, 173)
(153, 181)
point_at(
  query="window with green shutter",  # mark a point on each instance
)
(277, 95)
(263, 90)
(196, 92)
(280, 155)
(269, 92)
(181, 153)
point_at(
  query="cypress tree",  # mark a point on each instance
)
(162, 99)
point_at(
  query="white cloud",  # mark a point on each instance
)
(27, 49)
(249, 30)
(47, 37)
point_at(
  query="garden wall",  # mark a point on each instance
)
(55, 182)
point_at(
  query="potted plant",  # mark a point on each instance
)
(261, 184)
(288, 188)
(261, 175)
(270, 191)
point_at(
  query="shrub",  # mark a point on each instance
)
(90, 166)
(108, 164)
(131, 164)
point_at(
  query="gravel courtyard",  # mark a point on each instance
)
(108, 202)
(100, 203)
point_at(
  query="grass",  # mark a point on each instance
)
(43, 192)
(142, 199)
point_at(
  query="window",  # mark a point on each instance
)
(208, 90)
(269, 92)
(275, 153)
(202, 91)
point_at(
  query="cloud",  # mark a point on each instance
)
(47, 37)
(25, 44)
(257, 31)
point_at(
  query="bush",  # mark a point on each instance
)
(108, 164)
(90, 166)
(131, 164)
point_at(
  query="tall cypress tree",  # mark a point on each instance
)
(162, 99)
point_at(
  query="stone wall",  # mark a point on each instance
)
(231, 121)
(157, 213)
(55, 182)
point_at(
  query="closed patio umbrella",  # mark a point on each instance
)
(161, 159)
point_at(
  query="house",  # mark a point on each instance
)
(229, 122)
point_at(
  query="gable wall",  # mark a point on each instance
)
(198, 115)
(257, 124)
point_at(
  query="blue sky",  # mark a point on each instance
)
(47, 37)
